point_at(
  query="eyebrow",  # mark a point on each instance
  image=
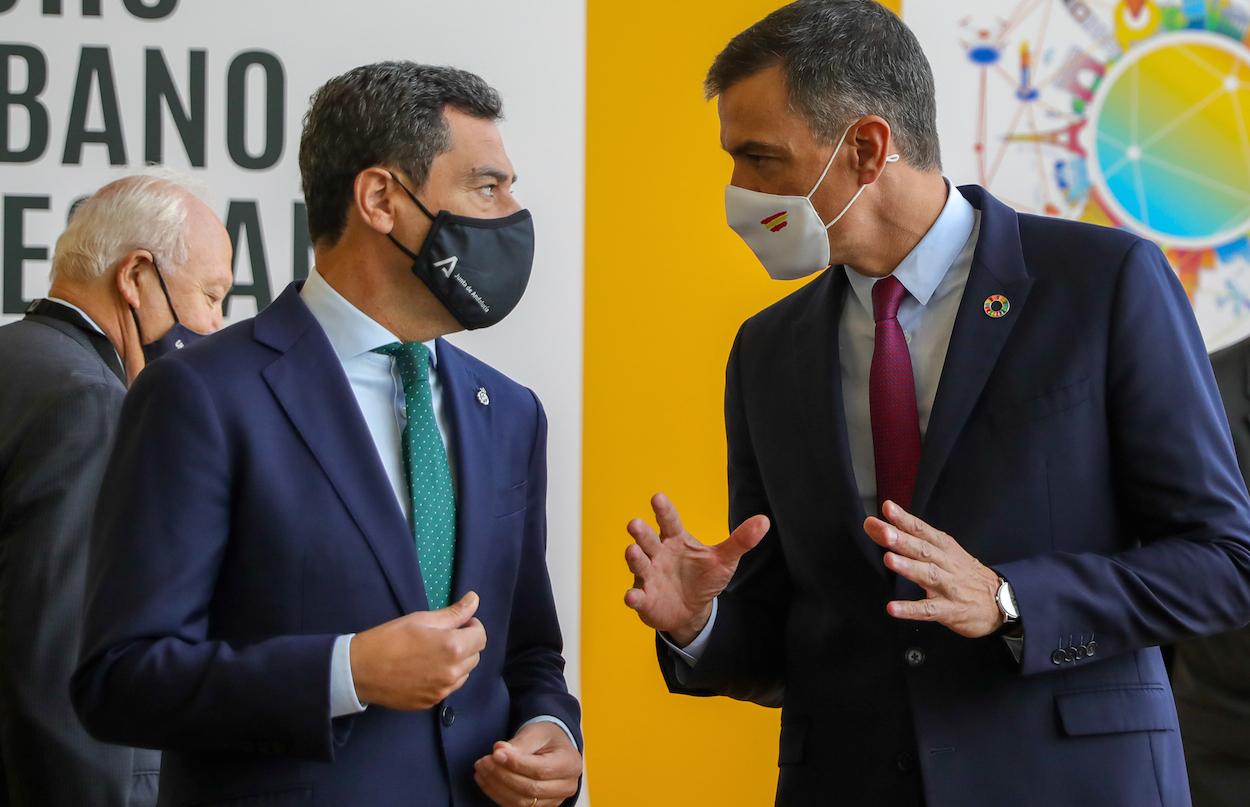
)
(756, 146)
(490, 172)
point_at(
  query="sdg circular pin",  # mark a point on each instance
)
(996, 305)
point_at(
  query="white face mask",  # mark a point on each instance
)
(785, 232)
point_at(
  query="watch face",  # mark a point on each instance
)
(1007, 601)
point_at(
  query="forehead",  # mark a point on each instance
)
(757, 108)
(473, 137)
(209, 244)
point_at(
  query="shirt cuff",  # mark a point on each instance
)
(558, 722)
(343, 700)
(693, 651)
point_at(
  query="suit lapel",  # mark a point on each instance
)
(1247, 377)
(823, 410)
(472, 424)
(997, 268)
(71, 323)
(309, 384)
(1246, 370)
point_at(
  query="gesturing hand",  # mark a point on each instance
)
(539, 767)
(676, 577)
(961, 593)
(416, 661)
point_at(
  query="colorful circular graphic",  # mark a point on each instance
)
(996, 306)
(1124, 113)
(1171, 139)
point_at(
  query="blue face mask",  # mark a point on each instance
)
(176, 338)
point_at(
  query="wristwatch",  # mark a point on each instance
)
(1007, 602)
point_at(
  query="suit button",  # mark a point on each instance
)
(914, 657)
(1058, 657)
(447, 715)
(1074, 653)
(1090, 648)
(906, 762)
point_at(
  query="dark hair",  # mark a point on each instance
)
(384, 114)
(842, 59)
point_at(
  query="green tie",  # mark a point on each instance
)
(429, 474)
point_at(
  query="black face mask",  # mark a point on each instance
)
(176, 338)
(477, 268)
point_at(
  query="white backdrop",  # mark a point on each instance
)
(533, 53)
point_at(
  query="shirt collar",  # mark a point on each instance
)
(351, 332)
(922, 271)
(81, 313)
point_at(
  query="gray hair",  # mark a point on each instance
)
(388, 114)
(142, 211)
(842, 59)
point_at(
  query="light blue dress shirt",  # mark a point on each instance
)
(376, 385)
(934, 273)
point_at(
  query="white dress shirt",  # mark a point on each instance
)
(379, 392)
(934, 273)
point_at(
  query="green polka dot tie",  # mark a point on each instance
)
(429, 474)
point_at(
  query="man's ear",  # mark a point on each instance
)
(373, 200)
(871, 143)
(127, 275)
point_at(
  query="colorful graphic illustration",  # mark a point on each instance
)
(1127, 113)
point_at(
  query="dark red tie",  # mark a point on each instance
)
(892, 399)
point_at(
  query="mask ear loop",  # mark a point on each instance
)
(412, 255)
(829, 164)
(412, 196)
(893, 158)
(169, 301)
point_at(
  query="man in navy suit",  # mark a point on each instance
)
(318, 574)
(979, 467)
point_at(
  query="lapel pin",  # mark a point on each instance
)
(996, 305)
(482, 397)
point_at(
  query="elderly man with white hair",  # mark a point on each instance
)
(143, 267)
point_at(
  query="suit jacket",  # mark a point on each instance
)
(1211, 675)
(59, 404)
(1078, 445)
(246, 521)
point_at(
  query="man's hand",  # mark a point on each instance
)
(676, 577)
(416, 661)
(539, 767)
(961, 592)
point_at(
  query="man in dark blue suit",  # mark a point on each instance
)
(318, 574)
(979, 467)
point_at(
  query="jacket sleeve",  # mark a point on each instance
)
(534, 668)
(150, 674)
(745, 654)
(1178, 485)
(46, 496)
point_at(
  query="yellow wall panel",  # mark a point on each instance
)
(667, 284)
